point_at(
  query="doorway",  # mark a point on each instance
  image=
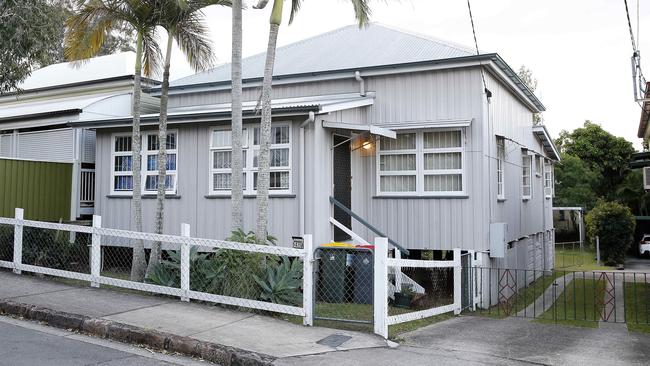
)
(342, 181)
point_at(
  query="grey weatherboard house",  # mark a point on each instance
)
(397, 127)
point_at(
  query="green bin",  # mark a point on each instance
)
(332, 278)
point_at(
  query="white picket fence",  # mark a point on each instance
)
(383, 266)
(184, 242)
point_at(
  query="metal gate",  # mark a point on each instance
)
(467, 281)
(343, 284)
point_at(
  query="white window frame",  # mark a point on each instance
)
(143, 166)
(501, 161)
(144, 152)
(539, 161)
(526, 155)
(250, 170)
(420, 172)
(549, 180)
(114, 174)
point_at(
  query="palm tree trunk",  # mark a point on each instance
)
(155, 255)
(139, 261)
(265, 128)
(237, 194)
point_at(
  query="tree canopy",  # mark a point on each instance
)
(614, 225)
(603, 152)
(575, 183)
(31, 37)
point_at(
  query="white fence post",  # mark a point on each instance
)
(96, 252)
(598, 251)
(308, 280)
(380, 299)
(458, 288)
(18, 241)
(185, 264)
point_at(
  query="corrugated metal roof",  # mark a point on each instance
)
(212, 112)
(547, 142)
(50, 106)
(345, 48)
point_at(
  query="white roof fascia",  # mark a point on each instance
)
(375, 130)
(414, 125)
(541, 130)
(496, 71)
(348, 104)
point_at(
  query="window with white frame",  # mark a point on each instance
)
(501, 159)
(548, 179)
(526, 186)
(279, 161)
(539, 161)
(122, 163)
(421, 163)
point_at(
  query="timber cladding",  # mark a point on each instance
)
(41, 188)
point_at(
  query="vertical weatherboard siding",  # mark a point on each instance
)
(43, 189)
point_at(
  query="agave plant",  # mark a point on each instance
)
(282, 282)
(240, 236)
(205, 272)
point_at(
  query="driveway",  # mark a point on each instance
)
(637, 264)
(472, 340)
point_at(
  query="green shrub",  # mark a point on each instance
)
(206, 274)
(6, 242)
(282, 282)
(614, 225)
(56, 249)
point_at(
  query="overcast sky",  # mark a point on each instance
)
(579, 50)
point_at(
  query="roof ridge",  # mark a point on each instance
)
(426, 37)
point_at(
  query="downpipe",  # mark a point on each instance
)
(302, 208)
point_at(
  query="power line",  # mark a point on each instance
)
(471, 18)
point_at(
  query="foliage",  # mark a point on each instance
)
(526, 75)
(31, 36)
(56, 249)
(282, 282)
(205, 273)
(632, 194)
(603, 152)
(6, 242)
(240, 236)
(575, 183)
(614, 225)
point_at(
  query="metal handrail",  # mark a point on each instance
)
(368, 225)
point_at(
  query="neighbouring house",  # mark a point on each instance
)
(34, 121)
(374, 130)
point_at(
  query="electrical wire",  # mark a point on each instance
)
(471, 18)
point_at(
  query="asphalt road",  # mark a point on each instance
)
(29, 343)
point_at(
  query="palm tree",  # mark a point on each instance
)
(183, 21)
(85, 36)
(362, 14)
(237, 173)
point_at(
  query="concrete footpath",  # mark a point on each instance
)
(223, 336)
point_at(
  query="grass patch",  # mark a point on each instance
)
(578, 304)
(576, 260)
(637, 307)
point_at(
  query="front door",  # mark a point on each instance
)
(342, 176)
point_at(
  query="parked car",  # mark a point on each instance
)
(644, 245)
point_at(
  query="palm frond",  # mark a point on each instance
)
(192, 38)
(151, 53)
(261, 4)
(295, 6)
(362, 11)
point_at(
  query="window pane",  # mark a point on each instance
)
(221, 181)
(152, 162)
(256, 136)
(397, 183)
(397, 162)
(123, 183)
(280, 135)
(443, 183)
(123, 163)
(280, 157)
(122, 143)
(222, 159)
(221, 138)
(277, 180)
(171, 141)
(442, 161)
(404, 141)
(151, 183)
(442, 139)
(152, 142)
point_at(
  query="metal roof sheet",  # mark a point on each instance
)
(212, 112)
(343, 48)
(22, 110)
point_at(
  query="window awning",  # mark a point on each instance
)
(374, 130)
(547, 142)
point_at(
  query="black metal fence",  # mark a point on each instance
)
(582, 298)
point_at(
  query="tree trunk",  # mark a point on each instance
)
(237, 194)
(155, 255)
(139, 261)
(265, 128)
